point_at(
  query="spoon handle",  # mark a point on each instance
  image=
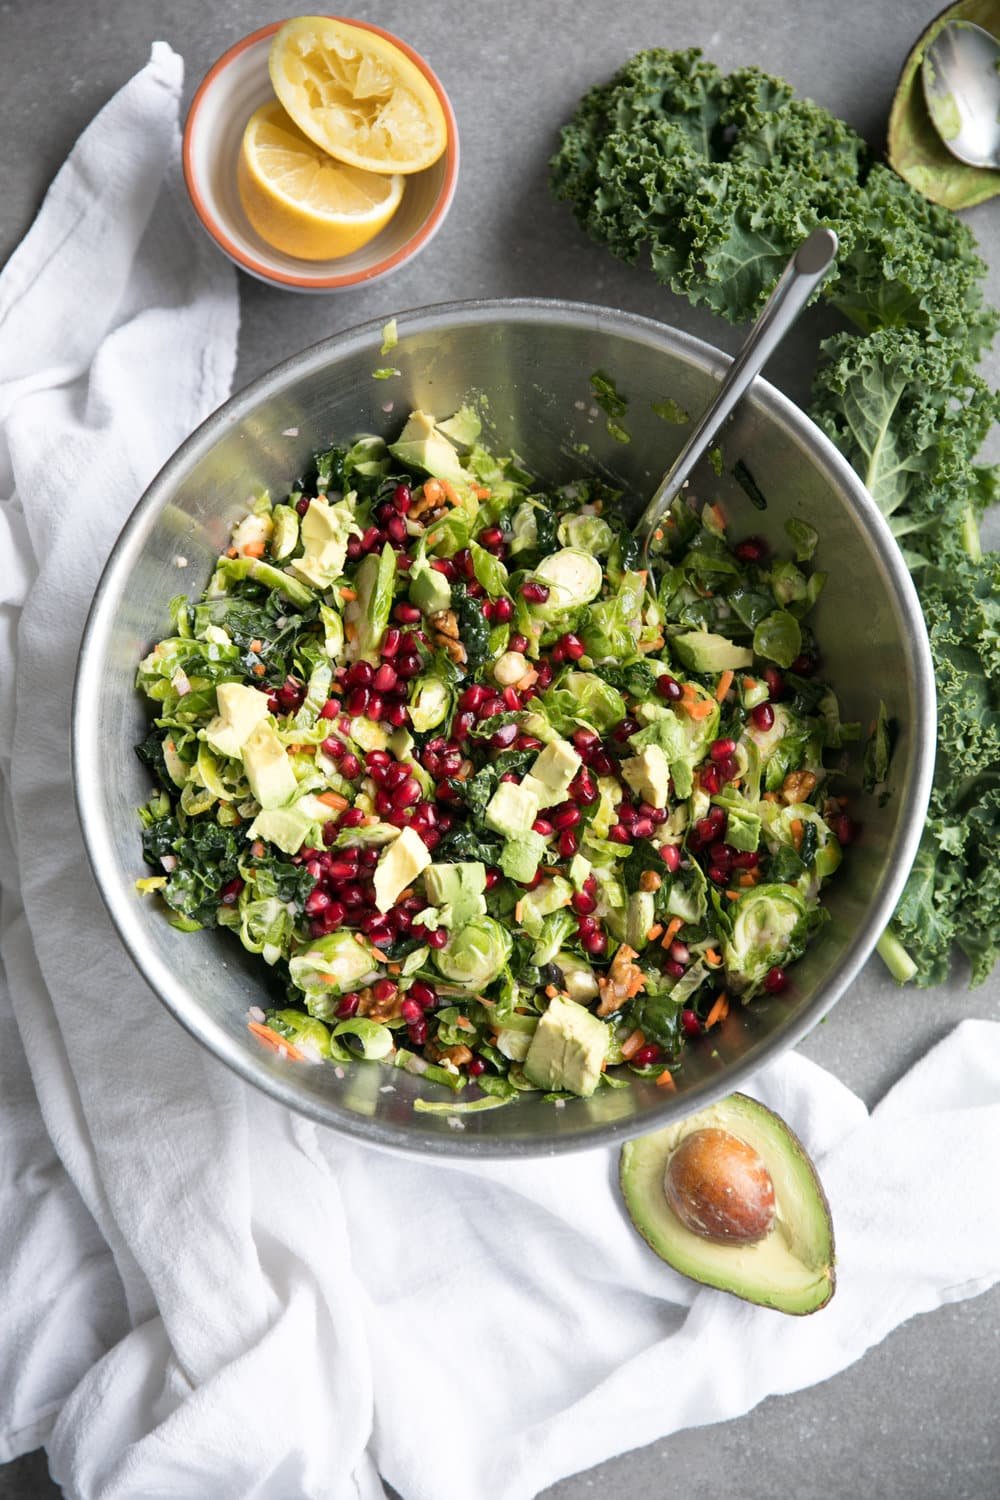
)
(800, 277)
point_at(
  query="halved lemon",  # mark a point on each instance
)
(300, 200)
(357, 95)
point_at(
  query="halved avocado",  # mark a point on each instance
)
(791, 1269)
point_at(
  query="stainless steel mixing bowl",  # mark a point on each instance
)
(532, 361)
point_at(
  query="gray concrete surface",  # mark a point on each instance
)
(917, 1417)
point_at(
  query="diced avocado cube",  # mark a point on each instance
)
(512, 809)
(457, 890)
(463, 427)
(269, 771)
(430, 590)
(648, 774)
(551, 895)
(521, 855)
(325, 532)
(398, 866)
(579, 871)
(702, 651)
(423, 446)
(567, 1049)
(290, 827)
(579, 979)
(241, 709)
(286, 532)
(552, 772)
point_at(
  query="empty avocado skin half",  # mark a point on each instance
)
(792, 1268)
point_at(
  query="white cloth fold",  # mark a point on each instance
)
(201, 1294)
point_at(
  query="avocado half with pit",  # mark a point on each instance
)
(730, 1198)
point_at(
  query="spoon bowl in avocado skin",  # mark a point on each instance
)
(961, 80)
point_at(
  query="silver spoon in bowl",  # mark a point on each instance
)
(796, 284)
(961, 83)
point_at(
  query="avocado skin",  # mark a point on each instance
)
(655, 1218)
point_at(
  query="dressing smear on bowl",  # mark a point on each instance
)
(487, 807)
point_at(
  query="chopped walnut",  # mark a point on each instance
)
(379, 1010)
(624, 980)
(459, 1055)
(445, 634)
(798, 786)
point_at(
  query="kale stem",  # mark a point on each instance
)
(895, 957)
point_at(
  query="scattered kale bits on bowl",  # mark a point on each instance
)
(486, 805)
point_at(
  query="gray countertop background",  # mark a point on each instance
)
(918, 1416)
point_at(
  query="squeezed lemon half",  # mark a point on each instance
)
(303, 202)
(357, 95)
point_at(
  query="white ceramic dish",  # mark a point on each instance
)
(233, 88)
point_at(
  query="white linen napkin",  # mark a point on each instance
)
(203, 1295)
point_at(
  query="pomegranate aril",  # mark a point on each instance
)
(330, 709)
(230, 894)
(775, 683)
(568, 844)
(407, 794)
(352, 895)
(751, 550)
(680, 952)
(395, 530)
(417, 1032)
(527, 742)
(775, 980)
(503, 611)
(690, 1025)
(565, 816)
(358, 702)
(619, 834)
(423, 994)
(624, 730)
(671, 856)
(720, 749)
(395, 714)
(593, 943)
(350, 767)
(491, 705)
(384, 989)
(490, 536)
(406, 614)
(805, 665)
(464, 563)
(303, 505)
(352, 817)
(573, 647)
(746, 859)
(473, 696)
(711, 781)
(534, 593)
(512, 700)
(402, 498)
(642, 828)
(492, 876)
(504, 737)
(353, 548)
(845, 829)
(645, 1055)
(390, 641)
(347, 1006)
(728, 768)
(385, 679)
(673, 969)
(763, 717)
(583, 903)
(586, 740)
(407, 667)
(542, 827)
(582, 789)
(437, 937)
(475, 1067)
(517, 642)
(668, 687)
(371, 539)
(445, 567)
(602, 764)
(410, 1011)
(368, 857)
(330, 830)
(545, 675)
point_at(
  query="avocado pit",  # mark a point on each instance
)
(719, 1188)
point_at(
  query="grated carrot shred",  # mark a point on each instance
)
(632, 1044)
(712, 957)
(673, 928)
(273, 1039)
(348, 593)
(719, 1011)
(723, 685)
(333, 799)
(666, 1081)
(654, 932)
(253, 549)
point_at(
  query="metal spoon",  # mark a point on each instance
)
(800, 277)
(962, 88)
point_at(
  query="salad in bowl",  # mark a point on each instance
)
(491, 803)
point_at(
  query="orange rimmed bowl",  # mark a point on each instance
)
(230, 92)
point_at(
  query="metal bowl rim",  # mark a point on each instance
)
(85, 741)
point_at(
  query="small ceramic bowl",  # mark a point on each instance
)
(237, 85)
